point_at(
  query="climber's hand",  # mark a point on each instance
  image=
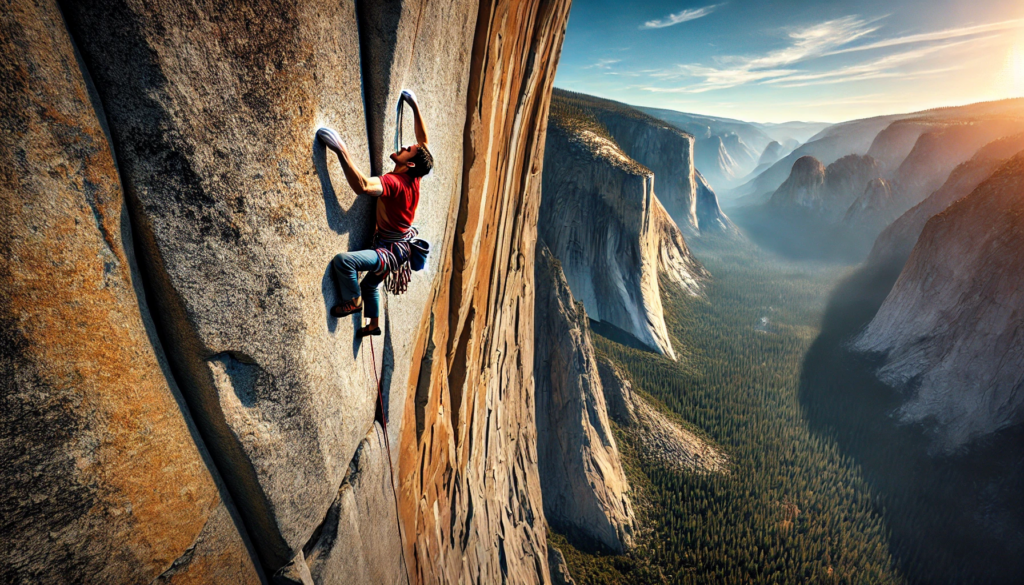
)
(409, 96)
(331, 139)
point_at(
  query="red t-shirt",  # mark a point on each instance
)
(396, 206)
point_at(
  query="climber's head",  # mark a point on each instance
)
(416, 158)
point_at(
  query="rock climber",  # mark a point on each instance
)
(398, 194)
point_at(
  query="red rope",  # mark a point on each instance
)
(387, 443)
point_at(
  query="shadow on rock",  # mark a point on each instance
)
(952, 518)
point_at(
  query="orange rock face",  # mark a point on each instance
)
(105, 480)
(470, 494)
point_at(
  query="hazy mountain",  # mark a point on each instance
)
(896, 241)
(859, 137)
(824, 192)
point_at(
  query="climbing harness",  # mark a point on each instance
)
(394, 251)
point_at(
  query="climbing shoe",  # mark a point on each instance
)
(364, 331)
(346, 308)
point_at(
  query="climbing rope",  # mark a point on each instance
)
(387, 440)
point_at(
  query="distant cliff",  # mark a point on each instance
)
(896, 241)
(825, 192)
(598, 215)
(202, 418)
(949, 332)
(662, 148)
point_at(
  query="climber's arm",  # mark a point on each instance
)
(421, 129)
(359, 182)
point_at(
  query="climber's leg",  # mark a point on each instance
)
(346, 267)
(370, 288)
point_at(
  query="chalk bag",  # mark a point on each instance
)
(418, 250)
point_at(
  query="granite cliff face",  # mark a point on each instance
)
(599, 218)
(896, 241)
(949, 331)
(230, 208)
(585, 489)
(469, 491)
(105, 479)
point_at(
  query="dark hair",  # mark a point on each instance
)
(424, 162)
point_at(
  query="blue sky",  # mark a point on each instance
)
(773, 61)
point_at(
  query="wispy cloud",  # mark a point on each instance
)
(680, 17)
(603, 63)
(781, 67)
(942, 35)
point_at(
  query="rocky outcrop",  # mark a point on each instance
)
(105, 479)
(598, 216)
(559, 570)
(896, 241)
(584, 486)
(803, 188)
(658, 437)
(771, 154)
(469, 490)
(949, 331)
(825, 192)
(212, 112)
(872, 211)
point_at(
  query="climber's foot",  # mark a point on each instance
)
(368, 330)
(346, 308)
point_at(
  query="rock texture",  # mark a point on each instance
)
(212, 110)
(585, 489)
(469, 491)
(658, 437)
(949, 331)
(559, 571)
(105, 479)
(598, 216)
(896, 241)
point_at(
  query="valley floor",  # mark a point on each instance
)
(821, 488)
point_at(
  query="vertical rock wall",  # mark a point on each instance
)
(585, 487)
(470, 494)
(105, 479)
(237, 212)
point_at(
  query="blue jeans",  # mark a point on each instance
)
(345, 266)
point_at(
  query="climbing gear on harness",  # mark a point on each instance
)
(418, 254)
(346, 308)
(393, 249)
(364, 331)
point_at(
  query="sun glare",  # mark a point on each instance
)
(1017, 68)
